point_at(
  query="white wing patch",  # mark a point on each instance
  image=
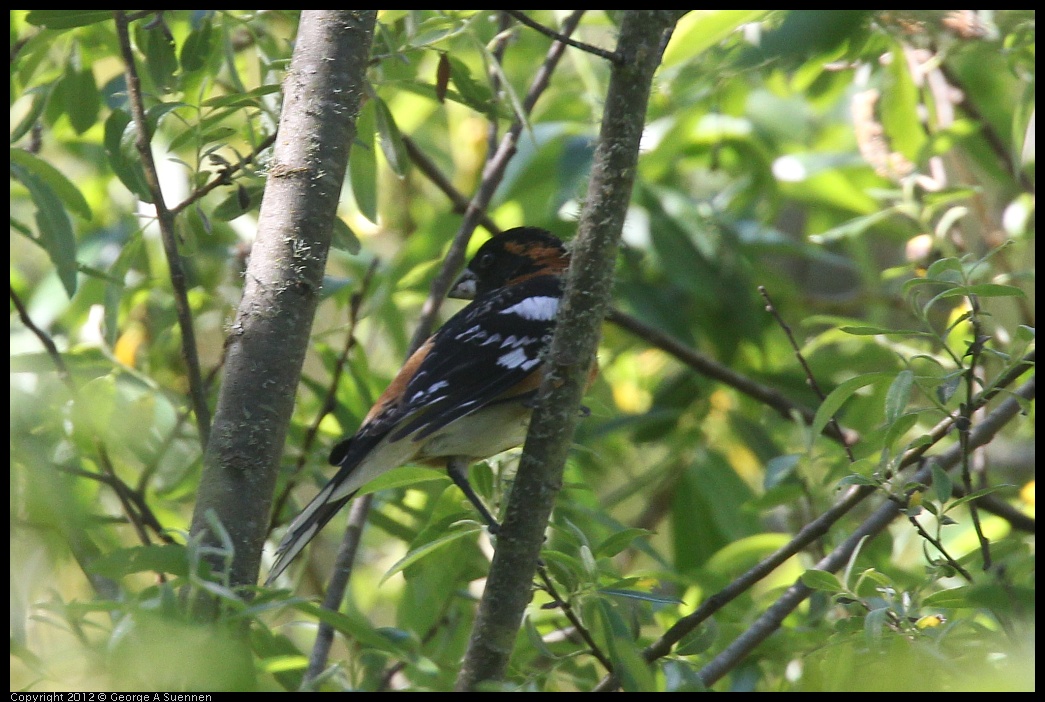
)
(517, 358)
(540, 308)
(434, 387)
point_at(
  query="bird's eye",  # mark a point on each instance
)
(485, 261)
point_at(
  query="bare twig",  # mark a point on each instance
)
(343, 563)
(224, 176)
(45, 339)
(165, 219)
(938, 546)
(578, 625)
(814, 530)
(493, 173)
(820, 526)
(428, 167)
(810, 378)
(773, 617)
(521, 18)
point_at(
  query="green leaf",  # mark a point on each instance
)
(168, 558)
(874, 625)
(822, 580)
(780, 468)
(852, 228)
(160, 60)
(899, 105)
(641, 595)
(40, 96)
(55, 230)
(80, 97)
(743, 553)
(698, 640)
(476, 95)
(631, 668)
(251, 98)
(70, 195)
(419, 552)
(404, 476)
(197, 47)
(978, 494)
(618, 541)
(244, 198)
(899, 395)
(67, 19)
(564, 568)
(949, 385)
(343, 238)
(948, 270)
(956, 597)
(900, 427)
(838, 397)
(942, 485)
(120, 135)
(986, 290)
(391, 139)
(362, 163)
(700, 30)
(856, 479)
(868, 330)
(355, 627)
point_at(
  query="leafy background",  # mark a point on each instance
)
(872, 171)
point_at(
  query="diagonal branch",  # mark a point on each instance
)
(522, 18)
(822, 524)
(493, 174)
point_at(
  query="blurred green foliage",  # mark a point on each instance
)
(874, 171)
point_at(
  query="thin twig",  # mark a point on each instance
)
(567, 609)
(165, 219)
(717, 371)
(343, 564)
(493, 173)
(965, 424)
(224, 176)
(938, 546)
(810, 378)
(768, 622)
(45, 339)
(611, 56)
(429, 168)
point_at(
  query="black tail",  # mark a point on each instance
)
(304, 528)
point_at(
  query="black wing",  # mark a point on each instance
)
(482, 352)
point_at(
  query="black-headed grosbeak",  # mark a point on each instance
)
(467, 393)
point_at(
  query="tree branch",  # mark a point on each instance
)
(772, 618)
(508, 587)
(520, 17)
(270, 336)
(820, 526)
